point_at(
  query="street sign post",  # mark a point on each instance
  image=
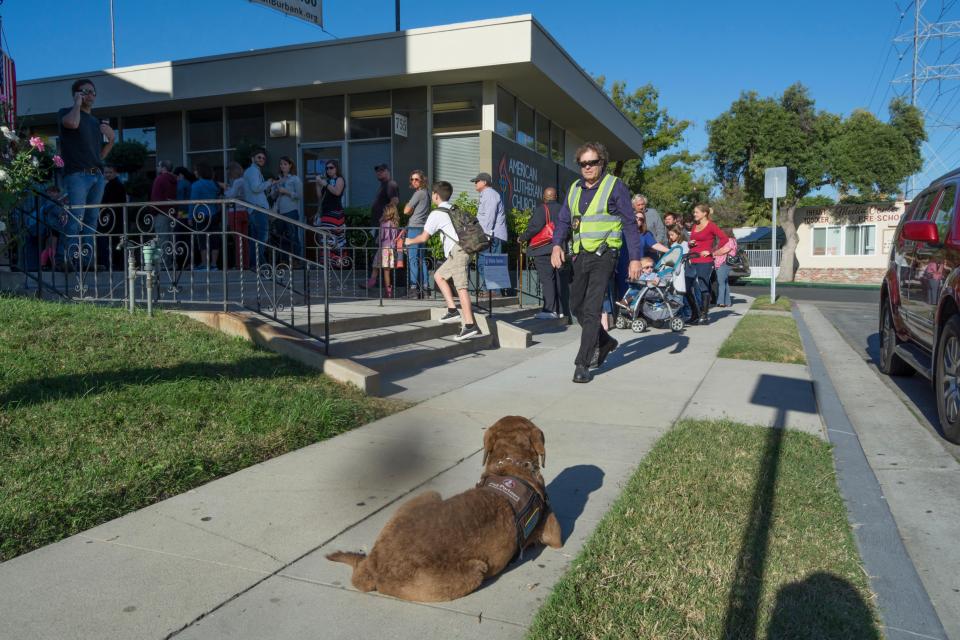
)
(774, 186)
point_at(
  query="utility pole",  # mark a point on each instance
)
(398, 14)
(113, 38)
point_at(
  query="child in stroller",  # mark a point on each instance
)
(653, 298)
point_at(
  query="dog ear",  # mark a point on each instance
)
(539, 445)
(489, 437)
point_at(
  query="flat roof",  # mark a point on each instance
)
(515, 51)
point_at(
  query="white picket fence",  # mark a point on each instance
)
(760, 262)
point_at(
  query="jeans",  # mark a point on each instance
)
(81, 188)
(591, 278)
(259, 232)
(723, 286)
(289, 234)
(416, 267)
(496, 248)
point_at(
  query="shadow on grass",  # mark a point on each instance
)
(69, 386)
(821, 606)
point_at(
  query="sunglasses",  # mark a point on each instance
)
(589, 163)
(88, 92)
(330, 167)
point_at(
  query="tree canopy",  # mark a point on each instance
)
(818, 148)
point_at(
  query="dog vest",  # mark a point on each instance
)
(526, 503)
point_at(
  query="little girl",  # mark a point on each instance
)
(386, 259)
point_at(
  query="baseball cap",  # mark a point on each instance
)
(485, 177)
(380, 167)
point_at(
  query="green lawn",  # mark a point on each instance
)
(762, 303)
(102, 413)
(770, 338)
(724, 531)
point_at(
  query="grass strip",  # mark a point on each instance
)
(102, 413)
(762, 303)
(765, 282)
(724, 531)
(770, 338)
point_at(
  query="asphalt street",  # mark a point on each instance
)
(854, 314)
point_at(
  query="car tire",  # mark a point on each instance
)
(890, 363)
(946, 379)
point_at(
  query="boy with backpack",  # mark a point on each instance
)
(457, 252)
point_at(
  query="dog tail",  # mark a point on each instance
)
(347, 557)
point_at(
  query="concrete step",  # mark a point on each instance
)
(372, 319)
(352, 343)
(418, 355)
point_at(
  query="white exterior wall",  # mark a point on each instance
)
(883, 218)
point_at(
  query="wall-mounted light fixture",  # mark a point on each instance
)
(279, 129)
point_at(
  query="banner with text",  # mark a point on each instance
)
(496, 275)
(309, 10)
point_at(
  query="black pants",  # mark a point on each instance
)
(549, 283)
(591, 275)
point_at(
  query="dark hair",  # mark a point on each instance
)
(596, 147)
(335, 163)
(205, 171)
(293, 165)
(186, 173)
(257, 151)
(420, 173)
(79, 83)
(443, 189)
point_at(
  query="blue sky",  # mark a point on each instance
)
(699, 54)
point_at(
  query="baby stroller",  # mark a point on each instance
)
(657, 304)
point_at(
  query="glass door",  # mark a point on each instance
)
(313, 159)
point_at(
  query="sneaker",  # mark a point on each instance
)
(467, 332)
(546, 315)
(450, 317)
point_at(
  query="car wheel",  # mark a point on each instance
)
(890, 363)
(947, 379)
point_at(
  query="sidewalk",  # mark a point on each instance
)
(242, 557)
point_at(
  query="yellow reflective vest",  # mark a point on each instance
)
(596, 224)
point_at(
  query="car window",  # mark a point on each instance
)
(922, 209)
(943, 216)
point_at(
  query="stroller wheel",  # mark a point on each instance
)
(676, 324)
(639, 325)
(621, 322)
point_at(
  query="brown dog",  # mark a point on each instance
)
(433, 549)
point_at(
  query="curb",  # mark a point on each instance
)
(904, 606)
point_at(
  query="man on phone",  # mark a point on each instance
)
(84, 143)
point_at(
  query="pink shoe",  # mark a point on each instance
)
(46, 256)
(389, 292)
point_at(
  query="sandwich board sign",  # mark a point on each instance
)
(496, 275)
(308, 10)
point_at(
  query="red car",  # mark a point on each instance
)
(919, 317)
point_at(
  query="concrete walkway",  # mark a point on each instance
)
(242, 557)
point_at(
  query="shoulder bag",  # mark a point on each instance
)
(545, 235)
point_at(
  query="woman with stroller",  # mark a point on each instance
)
(648, 244)
(706, 242)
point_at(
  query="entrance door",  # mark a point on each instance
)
(313, 159)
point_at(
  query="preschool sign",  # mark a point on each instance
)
(854, 214)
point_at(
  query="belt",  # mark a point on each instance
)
(89, 171)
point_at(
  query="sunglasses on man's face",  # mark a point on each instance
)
(589, 163)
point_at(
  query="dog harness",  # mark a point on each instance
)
(526, 503)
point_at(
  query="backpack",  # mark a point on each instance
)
(472, 238)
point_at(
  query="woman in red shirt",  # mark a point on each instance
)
(706, 241)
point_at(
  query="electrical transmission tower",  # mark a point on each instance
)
(928, 68)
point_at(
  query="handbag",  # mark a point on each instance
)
(734, 260)
(545, 235)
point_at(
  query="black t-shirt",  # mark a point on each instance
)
(80, 147)
(387, 192)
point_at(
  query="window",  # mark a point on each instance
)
(943, 216)
(213, 159)
(543, 135)
(922, 208)
(205, 129)
(525, 129)
(245, 124)
(321, 119)
(557, 143)
(506, 114)
(142, 129)
(370, 115)
(850, 240)
(457, 107)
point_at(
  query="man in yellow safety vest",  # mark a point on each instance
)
(599, 211)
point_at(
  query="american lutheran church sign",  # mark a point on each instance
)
(519, 183)
(521, 174)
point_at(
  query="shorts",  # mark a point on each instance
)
(456, 266)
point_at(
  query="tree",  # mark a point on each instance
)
(816, 201)
(672, 184)
(128, 157)
(660, 131)
(818, 149)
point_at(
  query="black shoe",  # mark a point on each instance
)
(466, 333)
(450, 317)
(581, 374)
(600, 353)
